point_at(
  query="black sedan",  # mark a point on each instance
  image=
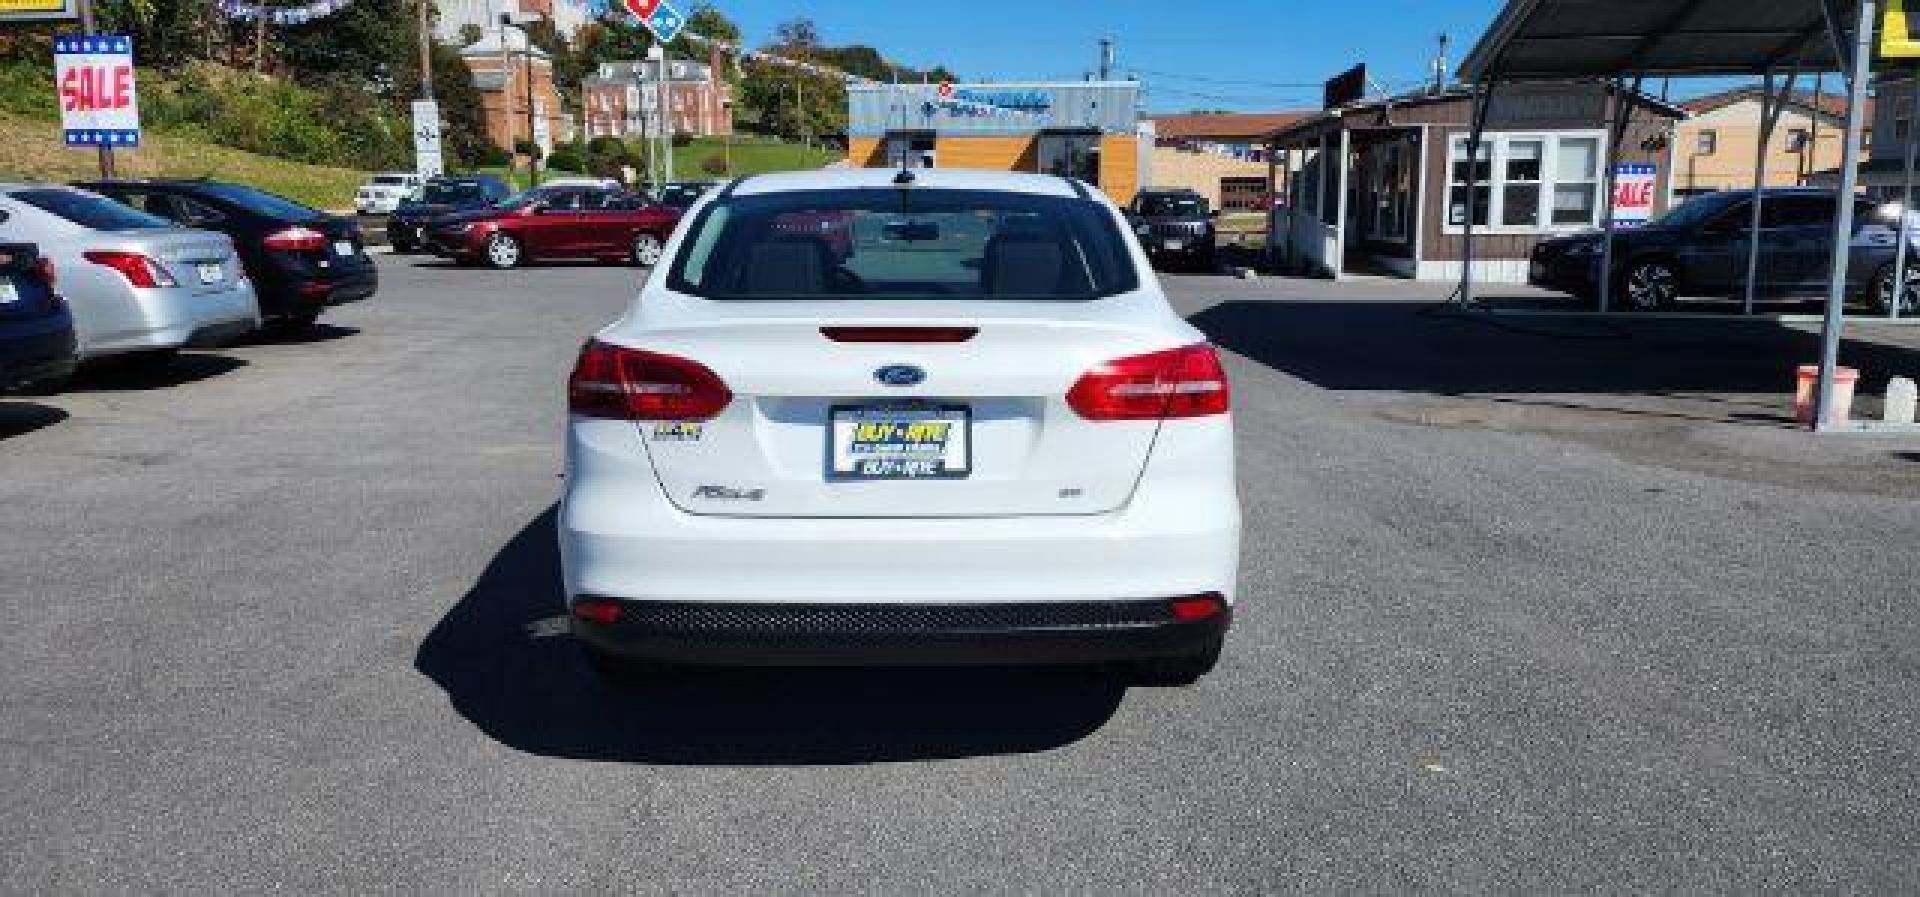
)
(441, 196)
(1701, 248)
(36, 330)
(300, 259)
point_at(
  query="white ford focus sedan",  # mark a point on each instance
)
(893, 417)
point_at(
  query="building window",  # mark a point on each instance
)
(1242, 193)
(1071, 155)
(1526, 182)
(1797, 140)
(1706, 143)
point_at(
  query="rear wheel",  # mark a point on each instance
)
(1650, 285)
(1175, 672)
(646, 250)
(1880, 295)
(503, 251)
(295, 324)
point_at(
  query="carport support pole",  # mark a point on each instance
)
(1860, 64)
(1616, 131)
(1767, 105)
(1482, 99)
(1906, 207)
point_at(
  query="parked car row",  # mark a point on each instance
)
(1701, 248)
(470, 220)
(136, 270)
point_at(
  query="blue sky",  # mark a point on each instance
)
(1190, 54)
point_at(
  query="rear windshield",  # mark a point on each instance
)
(260, 202)
(453, 192)
(888, 243)
(90, 210)
(1165, 205)
(681, 195)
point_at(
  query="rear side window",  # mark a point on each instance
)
(889, 243)
(90, 210)
(260, 202)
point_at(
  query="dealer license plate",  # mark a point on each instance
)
(211, 272)
(8, 294)
(900, 442)
(1173, 245)
(343, 248)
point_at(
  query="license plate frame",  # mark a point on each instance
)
(1172, 245)
(951, 460)
(343, 248)
(210, 273)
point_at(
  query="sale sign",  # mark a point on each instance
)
(98, 103)
(1633, 189)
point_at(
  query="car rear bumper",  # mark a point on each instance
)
(172, 318)
(1179, 534)
(36, 352)
(898, 634)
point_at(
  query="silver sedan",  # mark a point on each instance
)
(139, 285)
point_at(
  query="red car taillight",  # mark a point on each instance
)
(296, 239)
(633, 384)
(1183, 382)
(47, 272)
(139, 270)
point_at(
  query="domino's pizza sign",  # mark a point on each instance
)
(98, 103)
(660, 17)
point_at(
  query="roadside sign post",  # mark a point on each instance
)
(665, 22)
(427, 158)
(99, 101)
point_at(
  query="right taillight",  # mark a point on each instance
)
(139, 270)
(633, 384)
(295, 239)
(47, 272)
(1183, 382)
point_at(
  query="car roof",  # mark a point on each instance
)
(923, 178)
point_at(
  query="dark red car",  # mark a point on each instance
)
(556, 223)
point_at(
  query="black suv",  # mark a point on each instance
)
(1700, 248)
(440, 196)
(1174, 225)
(301, 260)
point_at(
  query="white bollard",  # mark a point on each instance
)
(1899, 404)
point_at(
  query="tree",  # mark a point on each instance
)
(797, 34)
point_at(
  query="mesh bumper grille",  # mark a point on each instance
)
(901, 619)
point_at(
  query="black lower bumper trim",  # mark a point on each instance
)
(779, 634)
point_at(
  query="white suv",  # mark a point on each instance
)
(930, 417)
(382, 194)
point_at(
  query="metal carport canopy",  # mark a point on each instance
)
(1535, 40)
(1547, 40)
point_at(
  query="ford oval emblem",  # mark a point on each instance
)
(900, 375)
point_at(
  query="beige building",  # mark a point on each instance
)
(1222, 156)
(1226, 182)
(1715, 147)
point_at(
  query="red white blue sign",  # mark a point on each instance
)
(1633, 188)
(660, 16)
(99, 105)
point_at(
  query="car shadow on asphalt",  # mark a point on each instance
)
(188, 367)
(318, 333)
(21, 418)
(504, 659)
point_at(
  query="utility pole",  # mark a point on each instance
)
(506, 96)
(1106, 58)
(105, 151)
(426, 49)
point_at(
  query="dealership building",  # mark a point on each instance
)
(1091, 130)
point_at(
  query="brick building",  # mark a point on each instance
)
(504, 92)
(622, 100)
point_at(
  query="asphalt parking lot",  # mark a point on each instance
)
(1520, 612)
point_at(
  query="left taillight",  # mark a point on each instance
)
(47, 271)
(138, 269)
(296, 239)
(1173, 383)
(624, 383)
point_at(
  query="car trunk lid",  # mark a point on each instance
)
(991, 385)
